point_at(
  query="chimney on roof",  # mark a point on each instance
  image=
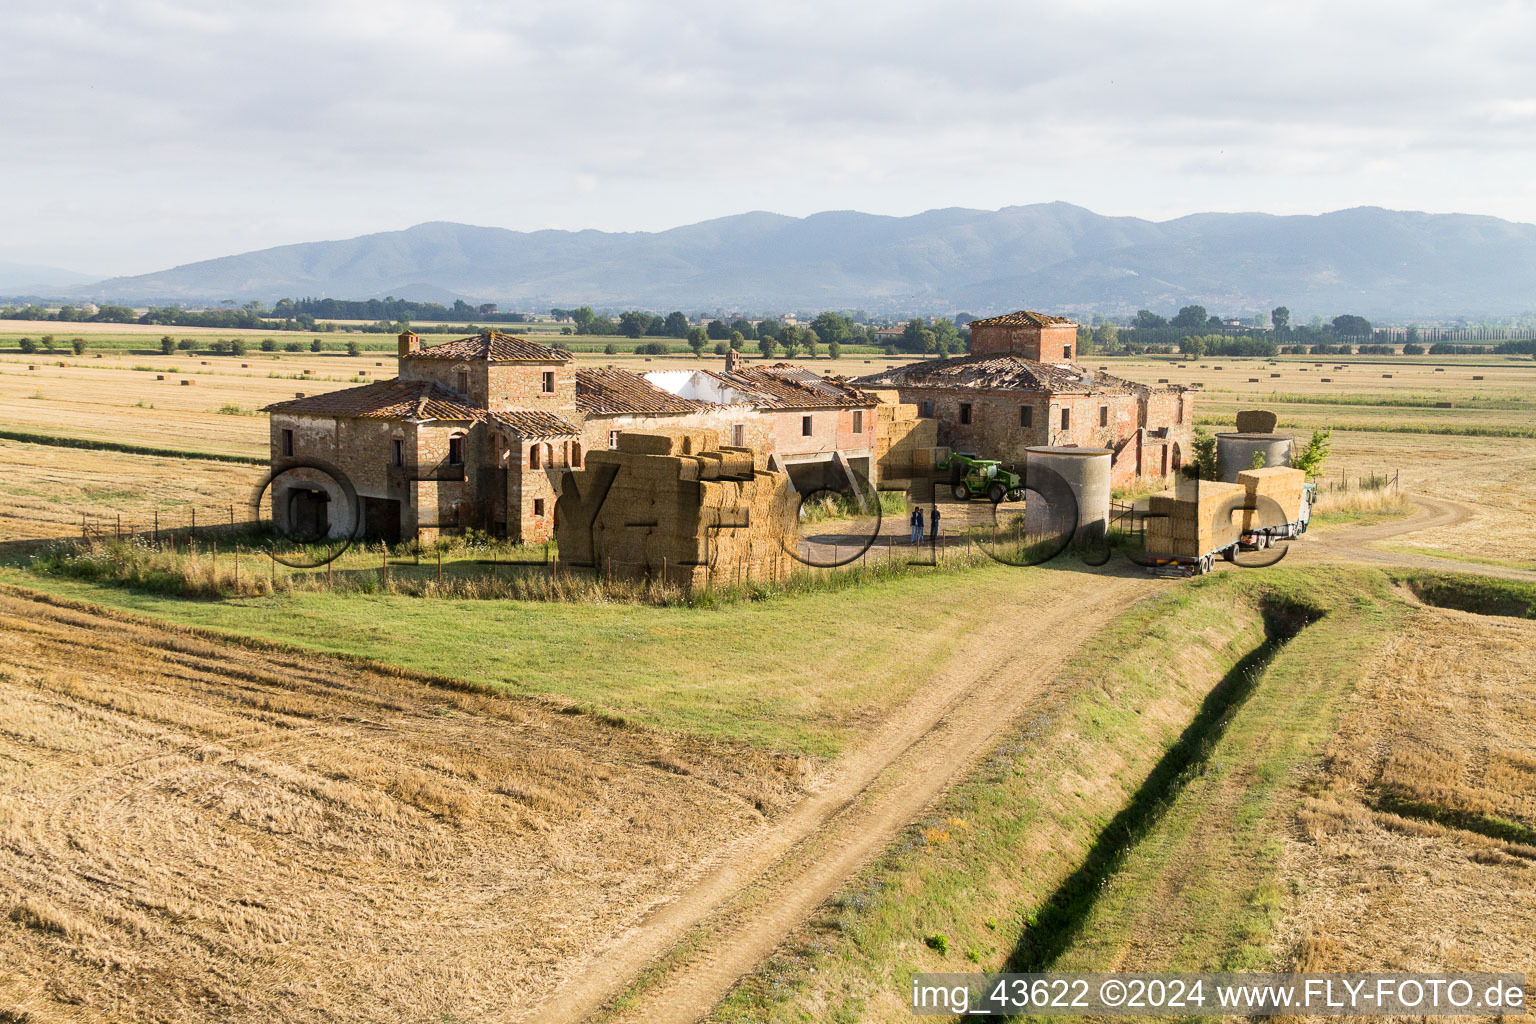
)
(410, 344)
(732, 360)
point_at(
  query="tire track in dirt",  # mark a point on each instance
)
(786, 871)
(1431, 514)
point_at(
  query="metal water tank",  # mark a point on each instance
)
(1235, 452)
(1085, 471)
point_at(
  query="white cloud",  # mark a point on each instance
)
(152, 132)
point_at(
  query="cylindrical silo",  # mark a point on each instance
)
(1084, 471)
(1235, 452)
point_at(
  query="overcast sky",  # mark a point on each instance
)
(146, 133)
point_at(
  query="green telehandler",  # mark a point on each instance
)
(973, 477)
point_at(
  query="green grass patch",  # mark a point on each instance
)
(131, 449)
(1481, 595)
(800, 672)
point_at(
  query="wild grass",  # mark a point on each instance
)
(832, 507)
(224, 565)
(1359, 506)
(752, 670)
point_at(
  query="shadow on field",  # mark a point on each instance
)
(1057, 924)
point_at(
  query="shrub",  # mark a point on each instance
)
(268, 345)
(610, 349)
(315, 345)
(354, 349)
(834, 349)
(186, 344)
(238, 346)
(28, 345)
(78, 345)
(167, 345)
(219, 347)
(722, 348)
(938, 942)
(293, 346)
(1411, 349)
(48, 342)
(654, 348)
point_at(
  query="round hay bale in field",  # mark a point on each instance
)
(159, 376)
(1386, 376)
(1253, 380)
(298, 394)
(1477, 378)
(186, 383)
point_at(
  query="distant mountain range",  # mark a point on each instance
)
(1051, 256)
(29, 278)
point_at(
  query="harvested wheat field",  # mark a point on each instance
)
(45, 489)
(194, 830)
(1416, 849)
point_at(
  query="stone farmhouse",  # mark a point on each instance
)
(1019, 388)
(480, 432)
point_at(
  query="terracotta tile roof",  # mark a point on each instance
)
(1023, 318)
(1001, 373)
(531, 423)
(612, 390)
(494, 347)
(393, 399)
(787, 386)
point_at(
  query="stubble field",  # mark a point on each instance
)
(195, 829)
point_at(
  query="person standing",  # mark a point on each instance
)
(933, 524)
(917, 525)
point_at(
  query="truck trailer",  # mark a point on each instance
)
(1220, 519)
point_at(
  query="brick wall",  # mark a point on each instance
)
(995, 430)
(831, 430)
(1054, 344)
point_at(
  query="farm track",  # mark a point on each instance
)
(774, 879)
(755, 900)
(1432, 513)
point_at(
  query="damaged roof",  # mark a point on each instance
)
(1002, 373)
(494, 347)
(532, 423)
(393, 399)
(1023, 318)
(612, 390)
(787, 386)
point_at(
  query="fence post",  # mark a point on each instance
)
(273, 555)
(231, 516)
(237, 570)
(384, 567)
(84, 533)
(439, 566)
(118, 530)
(157, 529)
(194, 518)
(215, 565)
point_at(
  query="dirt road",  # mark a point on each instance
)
(742, 911)
(774, 879)
(1355, 544)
